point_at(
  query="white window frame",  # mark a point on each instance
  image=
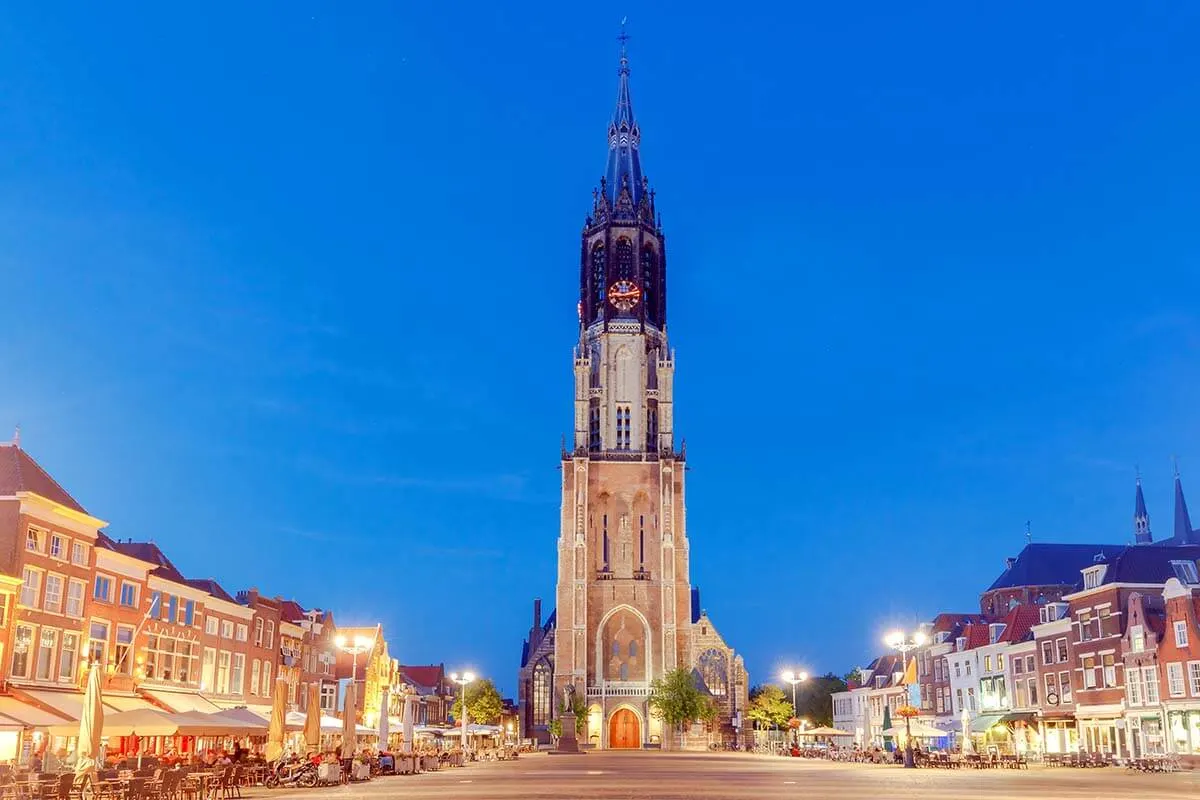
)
(237, 674)
(79, 556)
(49, 604)
(31, 590)
(226, 629)
(50, 658)
(81, 585)
(212, 625)
(1137, 638)
(35, 538)
(1181, 632)
(64, 547)
(72, 668)
(1176, 683)
(30, 650)
(108, 596)
(1194, 677)
(242, 632)
(137, 593)
(254, 668)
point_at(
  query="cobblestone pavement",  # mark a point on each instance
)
(673, 776)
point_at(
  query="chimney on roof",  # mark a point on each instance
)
(537, 613)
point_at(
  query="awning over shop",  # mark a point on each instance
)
(148, 722)
(125, 702)
(68, 704)
(984, 722)
(183, 701)
(245, 715)
(1028, 717)
(26, 715)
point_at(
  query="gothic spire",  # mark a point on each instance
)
(1141, 517)
(1183, 522)
(624, 170)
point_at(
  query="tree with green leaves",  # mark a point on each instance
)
(769, 706)
(483, 702)
(814, 698)
(678, 701)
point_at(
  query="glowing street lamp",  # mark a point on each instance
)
(355, 647)
(898, 640)
(462, 680)
(793, 678)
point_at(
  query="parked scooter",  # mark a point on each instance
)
(294, 773)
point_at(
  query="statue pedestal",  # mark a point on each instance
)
(568, 745)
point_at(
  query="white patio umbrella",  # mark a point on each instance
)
(91, 727)
(275, 732)
(918, 730)
(349, 726)
(410, 712)
(383, 722)
(967, 746)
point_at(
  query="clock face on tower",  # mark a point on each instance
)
(624, 295)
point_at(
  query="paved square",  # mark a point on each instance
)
(671, 776)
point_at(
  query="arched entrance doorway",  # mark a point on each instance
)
(624, 731)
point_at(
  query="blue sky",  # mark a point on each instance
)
(290, 288)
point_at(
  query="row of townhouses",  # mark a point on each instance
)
(72, 596)
(1076, 647)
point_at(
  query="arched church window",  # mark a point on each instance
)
(714, 669)
(598, 262)
(616, 648)
(625, 260)
(649, 285)
(633, 649)
(624, 672)
(541, 694)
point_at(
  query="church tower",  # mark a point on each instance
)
(623, 593)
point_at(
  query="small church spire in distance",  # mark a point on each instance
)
(1183, 522)
(16, 440)
(1141, 517)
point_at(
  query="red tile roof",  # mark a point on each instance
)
(430, 676)
(291, 611)
(212, 587)
(151, 554)
(977, 635)
(20, 473)
(1018, 622)
(949, 621)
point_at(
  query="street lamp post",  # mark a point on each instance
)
(355, 647)
(898, 640)
(793, 678)
(462, 680)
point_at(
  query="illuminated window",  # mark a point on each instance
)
(541, 694)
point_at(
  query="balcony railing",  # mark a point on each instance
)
(619, 689)
(645, 456)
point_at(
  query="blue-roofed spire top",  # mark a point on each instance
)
(1183, 521)
(624, 169)
(1141, 517)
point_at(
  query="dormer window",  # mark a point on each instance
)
(960, 643)
(1186, 572)
(995, 631)
(880, 681)
(1094, 576)
(1052, 611)
(941, 637)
